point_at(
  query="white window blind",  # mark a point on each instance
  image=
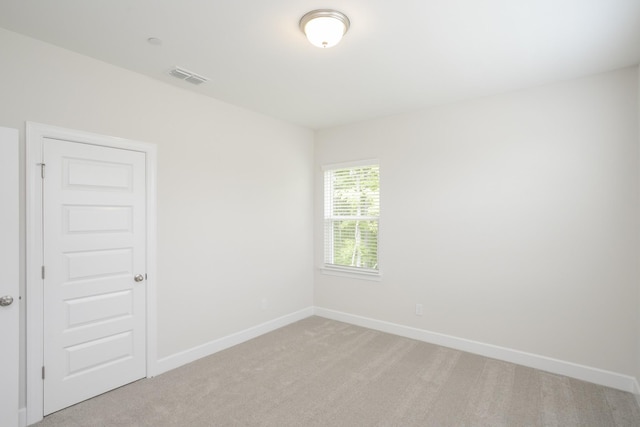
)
(351, 217)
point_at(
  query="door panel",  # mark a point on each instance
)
(94, 245)
(9, 277)
(97, 219)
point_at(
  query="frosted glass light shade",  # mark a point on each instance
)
(324, 28)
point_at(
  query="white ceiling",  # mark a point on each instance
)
(398, 55)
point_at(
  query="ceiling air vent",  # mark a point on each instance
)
(187, 76)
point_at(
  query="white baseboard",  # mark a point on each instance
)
(176, 360)
(22, 417)
(569, 369)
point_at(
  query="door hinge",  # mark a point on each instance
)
(42, 165)
(42, 272)
(43, 372)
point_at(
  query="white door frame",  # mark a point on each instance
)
(9, 250)
(34, 247)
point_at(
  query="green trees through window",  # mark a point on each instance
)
(352, 211)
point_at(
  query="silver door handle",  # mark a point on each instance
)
(6, 300)
(138, 278)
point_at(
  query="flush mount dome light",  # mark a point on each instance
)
(324, 27)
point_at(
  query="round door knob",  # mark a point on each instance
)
(138, 278)
(6, 300)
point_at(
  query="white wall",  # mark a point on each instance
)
(512, 219)
(234, 187)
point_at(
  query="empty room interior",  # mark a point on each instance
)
(431, 219)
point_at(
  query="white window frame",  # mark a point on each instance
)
(346, 271)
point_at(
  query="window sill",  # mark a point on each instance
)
(352, 273)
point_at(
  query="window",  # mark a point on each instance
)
(351, 217)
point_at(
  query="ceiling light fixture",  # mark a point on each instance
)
(324, 27)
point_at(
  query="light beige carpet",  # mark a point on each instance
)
(319, 372)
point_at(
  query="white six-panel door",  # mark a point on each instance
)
(9, 298)
(94, 247)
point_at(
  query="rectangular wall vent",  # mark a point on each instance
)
(187, 76)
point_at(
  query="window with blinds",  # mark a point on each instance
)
(351, 217)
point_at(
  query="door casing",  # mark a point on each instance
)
(36, 134)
